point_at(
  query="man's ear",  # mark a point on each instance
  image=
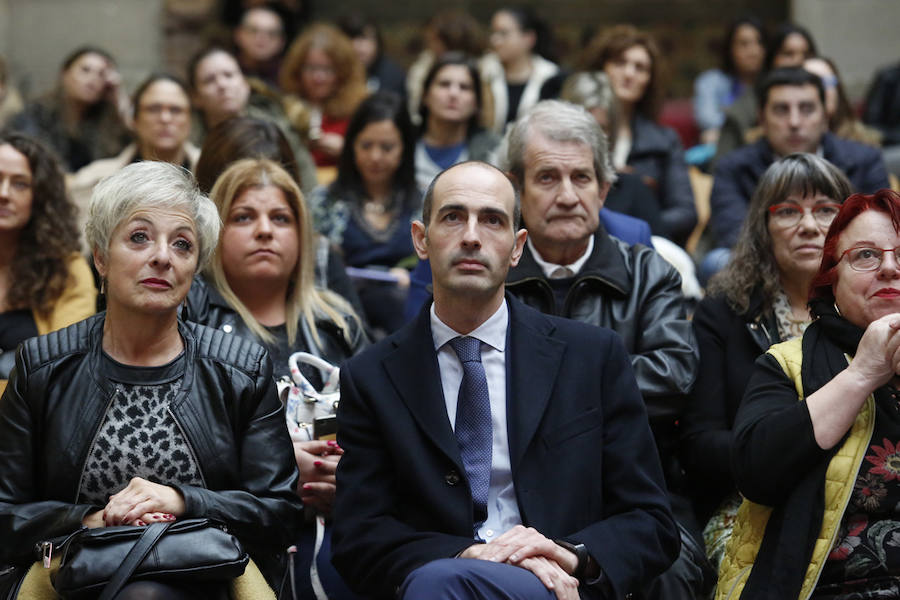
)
(604, 191)
(518, 248)
(419, 237)
(517, 184)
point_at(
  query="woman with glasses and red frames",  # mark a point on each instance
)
(817, 438)
(759, 299)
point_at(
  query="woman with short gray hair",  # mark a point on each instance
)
(133, 416)
(758, 300)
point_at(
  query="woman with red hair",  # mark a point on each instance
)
(326, 82)
(817, 437)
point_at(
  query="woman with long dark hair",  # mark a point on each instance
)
(367, 210)
(82, 118)
(45, 283)
(743, 53)
(451, 116)
(759, 299)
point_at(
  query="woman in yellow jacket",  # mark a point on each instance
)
(817, 437)
(45, 284)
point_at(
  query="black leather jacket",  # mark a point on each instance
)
(227, 409)
(206, 306)
(637, 294)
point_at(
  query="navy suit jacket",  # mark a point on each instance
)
(583, 459)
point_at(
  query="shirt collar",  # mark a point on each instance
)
(550, 268)
(492, 332)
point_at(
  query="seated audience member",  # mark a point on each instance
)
(382, 73)
(758, 300)
(814, 449)
(161, 126)
(788, 47)
(632, 61)
(367, 211)
(628, 194)
(261, 286)
(521, 42)
(134, 374)
(882, 112)
(259, 39)
(245, 137)
(793, 119)
(45, 283)
(842, 120)
(716, 89)
(10, 100)
(81, 119)
(448, 30)
(572, 268)
(220, 92)
(451, 118)
(324, 82)
(460, 430)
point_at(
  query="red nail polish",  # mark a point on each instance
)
(306, 486)
(332, 443)
(318, 463)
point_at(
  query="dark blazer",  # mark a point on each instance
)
(729, 345)
(737, 174)
(582, 455)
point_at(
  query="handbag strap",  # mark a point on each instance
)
(133, 559)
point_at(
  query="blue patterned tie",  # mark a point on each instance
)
(474, 433)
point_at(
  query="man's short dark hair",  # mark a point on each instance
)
(796, 76)
(428, 199)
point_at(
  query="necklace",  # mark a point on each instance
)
(374, 208)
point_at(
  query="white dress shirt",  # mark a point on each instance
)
(554, 271)
(502, 508)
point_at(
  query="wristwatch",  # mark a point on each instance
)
(581, 552)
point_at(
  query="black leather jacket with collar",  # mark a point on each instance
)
(637, 294)
(206, 306)
(227, 408)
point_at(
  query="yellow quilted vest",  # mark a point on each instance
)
(740, 553)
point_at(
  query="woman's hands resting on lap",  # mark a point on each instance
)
(140, 503)
(317, 461)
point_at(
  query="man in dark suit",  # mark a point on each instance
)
(561, 496)
(792, 118)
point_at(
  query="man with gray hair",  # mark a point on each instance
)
(571, 267)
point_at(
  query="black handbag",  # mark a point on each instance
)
(96, 563)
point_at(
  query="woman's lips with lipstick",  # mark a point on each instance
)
(887, 293)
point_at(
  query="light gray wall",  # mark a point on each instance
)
(861, 36)
(35, 36)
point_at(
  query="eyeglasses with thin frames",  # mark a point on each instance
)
(865, 259)
(788, 214)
